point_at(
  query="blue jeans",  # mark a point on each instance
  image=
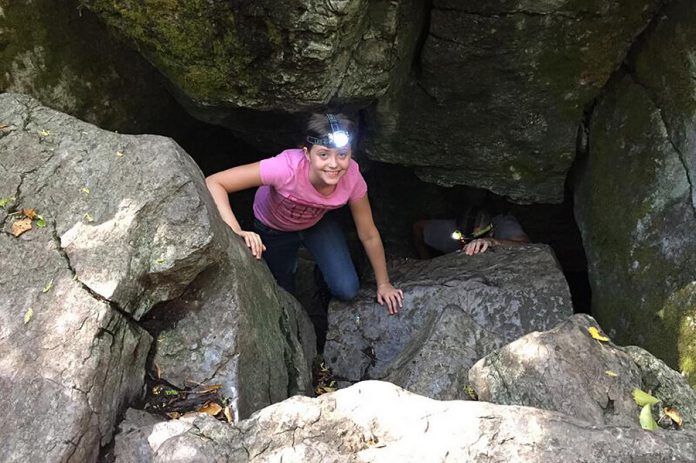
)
(325, 241)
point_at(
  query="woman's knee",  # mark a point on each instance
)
(346, 288)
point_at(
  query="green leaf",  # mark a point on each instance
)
(40, 222)
(5, 201)
(642, 398)
(647, 421)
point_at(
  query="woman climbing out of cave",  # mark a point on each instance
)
(298, 190)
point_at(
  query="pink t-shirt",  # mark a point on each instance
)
(287, 201)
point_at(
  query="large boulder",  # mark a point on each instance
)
(235, 328)
(379, 422)
(635, 201)
(252, 63)
(565, 369)
(456, 309)
(501, 89)
(129, 224)
(61, 54)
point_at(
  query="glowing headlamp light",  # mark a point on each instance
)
(338, 138)
(459, 236)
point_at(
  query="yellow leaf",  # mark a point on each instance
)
(119, 153)
(611, 373)
(85, 190)
(674, 414)
(642, 398)
(228, 414)
(646, 419)
(21, 226)
(596, 334)
(27, 315)
(44, 133)
(48, 287)
(88, 217)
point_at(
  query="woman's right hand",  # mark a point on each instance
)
(253, 241)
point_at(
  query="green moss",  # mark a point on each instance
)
(195, 45)
(680, 318)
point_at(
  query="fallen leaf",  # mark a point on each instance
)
(228, 414)
(596, 334)
(48, 287)
(119, 153)
(674, 414)
(211, 408)
(642, 398)
(29, 212)
(611, 373)
(3, 126)
(27, 315)
(158, 372)
(646, 419)
(85, 190)
(40, 222)
(20, 226)
(174, 415)
(44, 133)
(88, 217)
(471, 392)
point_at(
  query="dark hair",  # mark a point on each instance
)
(473, 218)
(318, 126)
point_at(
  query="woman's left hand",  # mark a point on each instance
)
(394, 298)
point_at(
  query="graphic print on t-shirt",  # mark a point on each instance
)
(299, 209)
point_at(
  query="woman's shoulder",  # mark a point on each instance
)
(290, 157)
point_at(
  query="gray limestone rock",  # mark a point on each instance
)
(500, 91)
(635, 202)
(457, 308)
(379, 422)
(566, 370)
(129, 225)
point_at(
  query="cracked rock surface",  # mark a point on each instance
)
(375, 421)
(564, 369)
(129, 225)
(500, 90)
(456, 309)
(70, 360)
(635, 199)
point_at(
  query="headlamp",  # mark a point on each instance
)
(338, 138)
(459, 236)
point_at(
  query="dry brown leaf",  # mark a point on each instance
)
(3, 126)
(174, 415)
(20, 226)
(158, 372)
(228, 414)
(29, 212)
(211, 408)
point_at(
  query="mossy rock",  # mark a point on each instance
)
(61, 54)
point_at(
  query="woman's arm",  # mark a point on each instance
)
(372, 242)
(230, 181)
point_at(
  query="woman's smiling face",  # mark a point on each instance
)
(327, 165)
